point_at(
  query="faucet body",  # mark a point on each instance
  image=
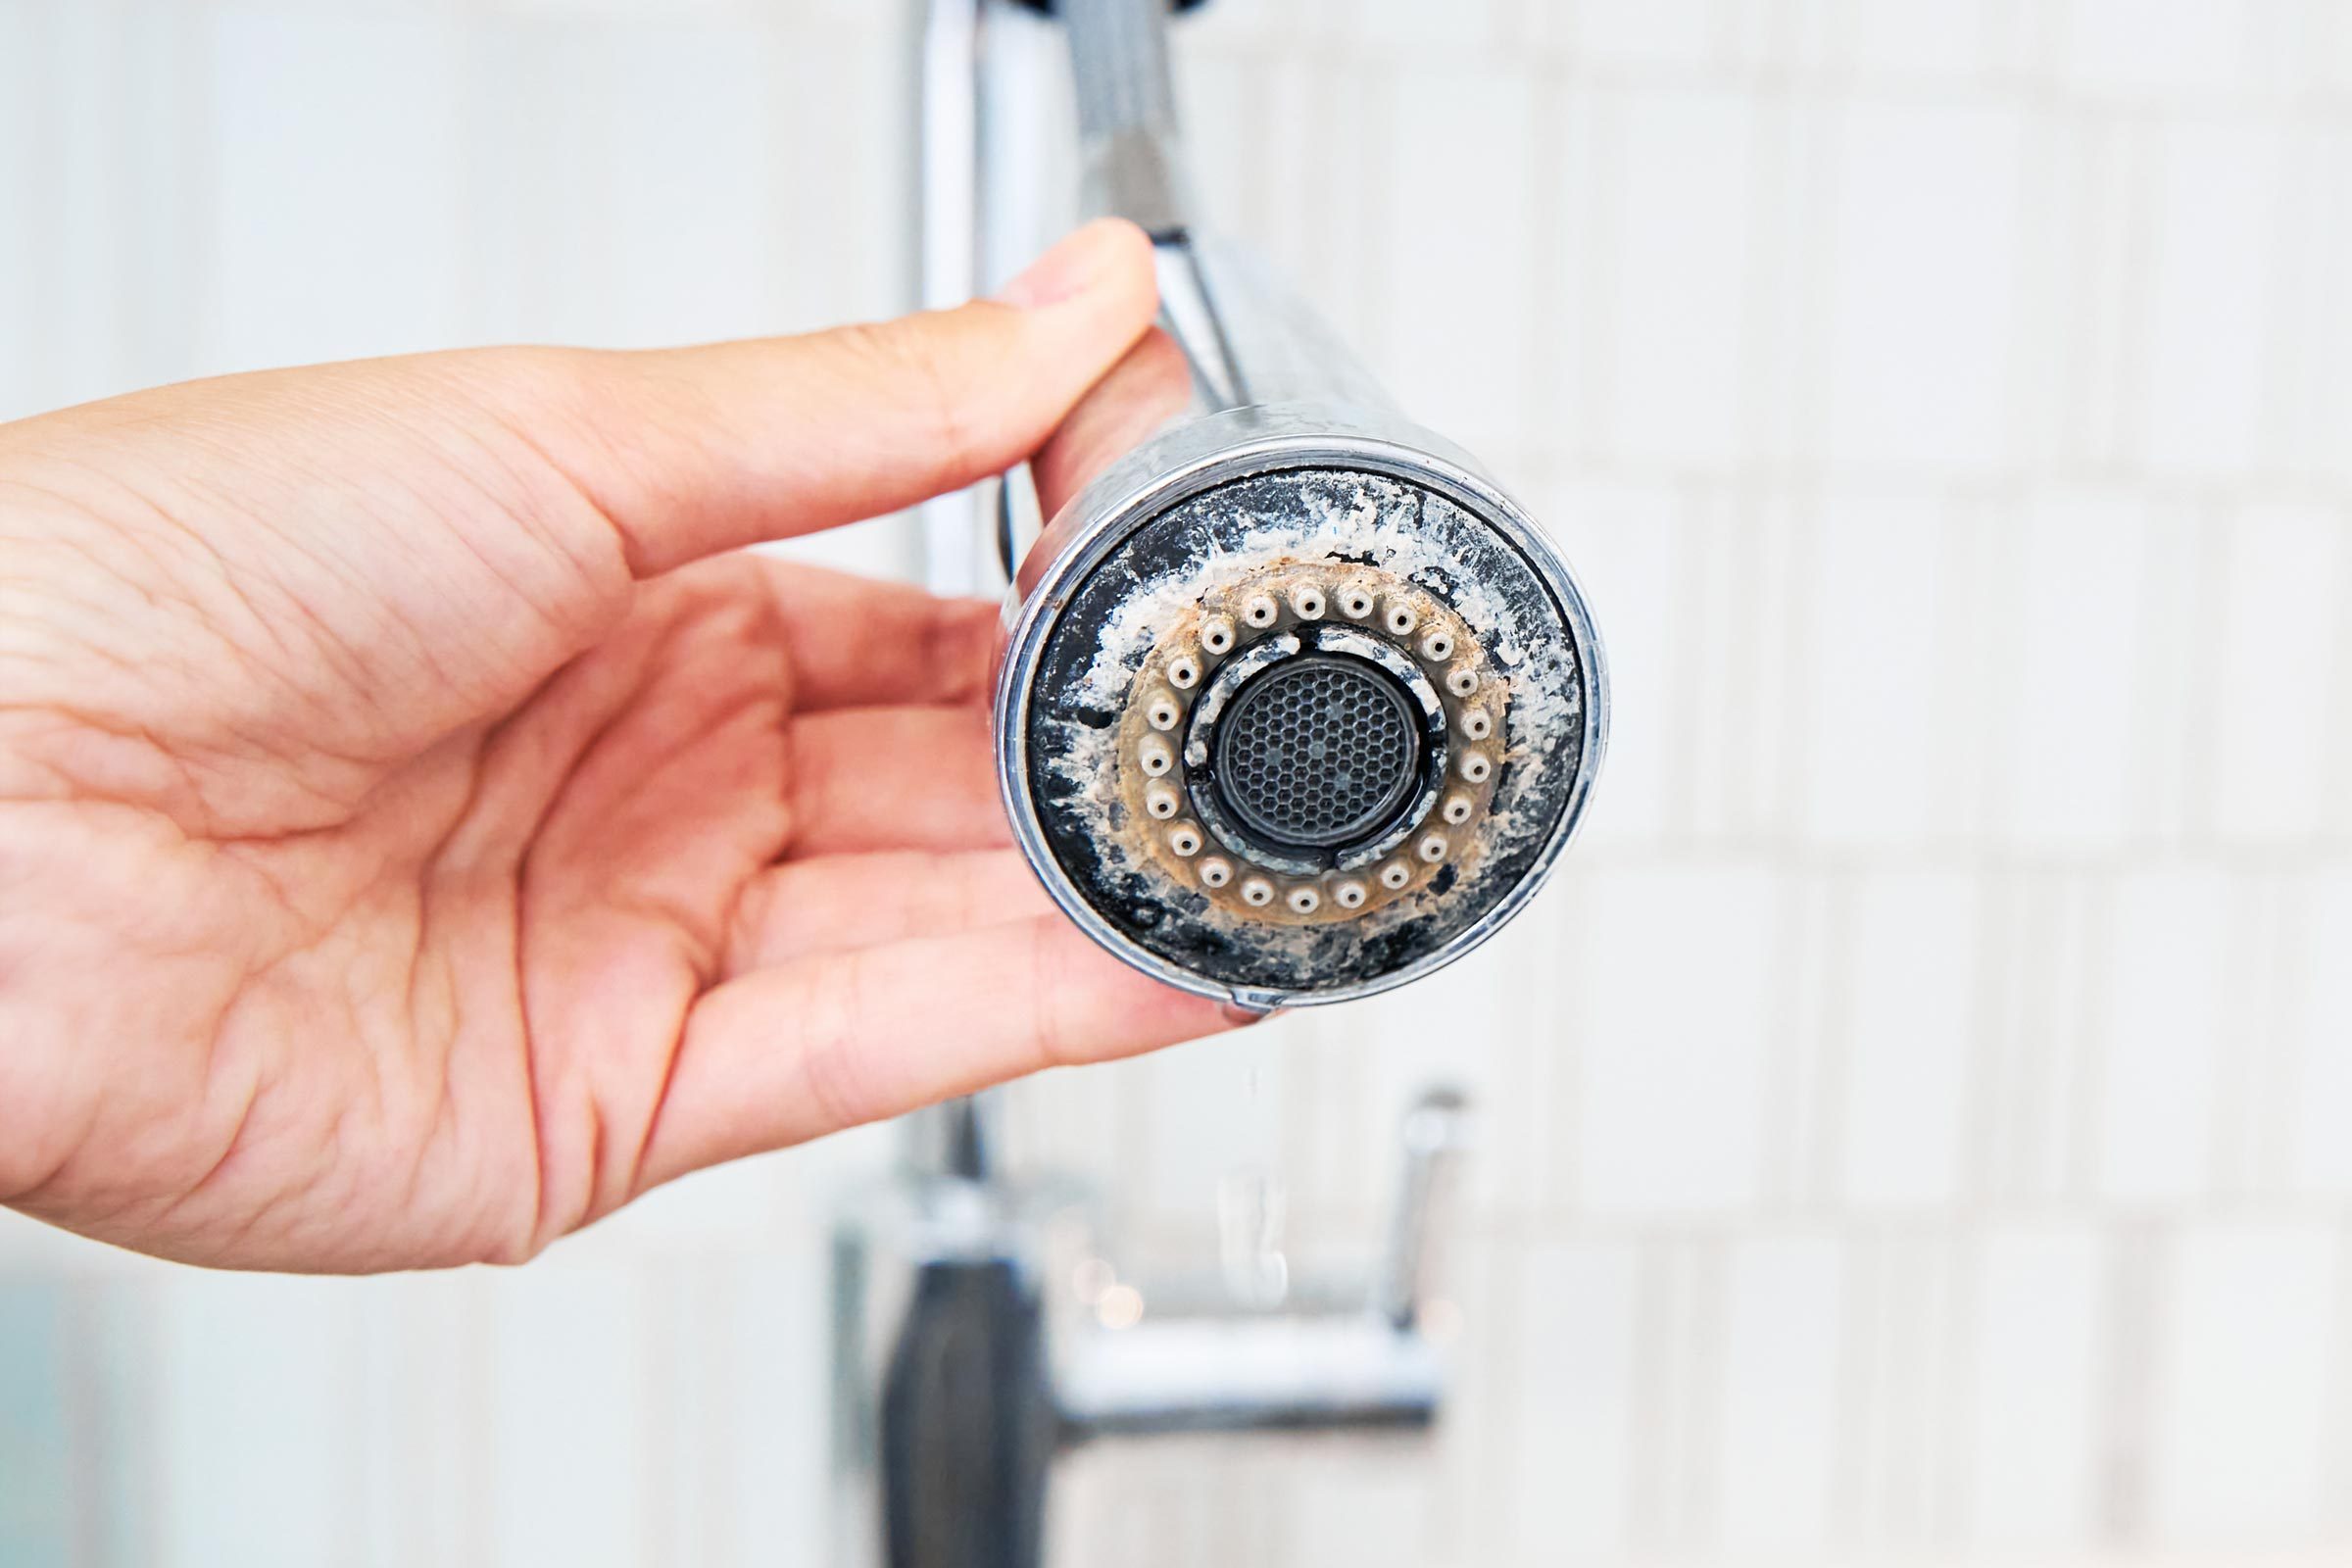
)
(1295, 704)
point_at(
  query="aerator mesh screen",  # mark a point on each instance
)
(1317, 752)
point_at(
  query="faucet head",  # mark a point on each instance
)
(1296, 711)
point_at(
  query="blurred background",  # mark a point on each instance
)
(1914, 1127)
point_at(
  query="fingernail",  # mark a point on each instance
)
(1064, 273)
(1242, 1017)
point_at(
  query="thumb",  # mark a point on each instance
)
(694, 451)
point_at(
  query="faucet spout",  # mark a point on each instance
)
(1371, 1368)
(1275, 1374)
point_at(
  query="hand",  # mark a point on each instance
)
(420, 835)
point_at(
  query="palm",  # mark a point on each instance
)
(551, 891)
(570, 881)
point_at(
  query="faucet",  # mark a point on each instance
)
(982, 1327)
(1296, 704)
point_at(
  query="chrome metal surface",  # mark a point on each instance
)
(1194, 456)
(1131, 157)
(1281, 1373)
(1436, 1135)
(975, 1338)
(965, 1357)
(947, 224)
(954, 1137)
(1363, 1366)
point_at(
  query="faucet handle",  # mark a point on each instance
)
(1435, 1133)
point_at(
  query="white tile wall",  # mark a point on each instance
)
(1566, 1468)
(2212, 290)
(1882, 761)
(1463, 271)
(2278, 603)
(1921, 284)
(1775, 1464)
(1641, 32)
(2163, 1037)
(2160, 49)
(1910, 1011)
(2243, 1380)
(1680, 272)
(342, 241)
(2030, 1466)
(254, 1380)
(1919, 1127)
(2317, 1025)
(2070, 636)
(1671, 1026)
(1941, 38)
